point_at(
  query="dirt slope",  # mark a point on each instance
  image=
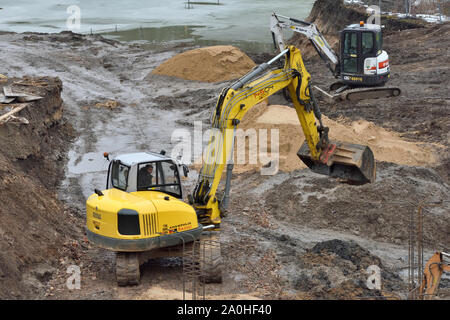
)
(34, 225)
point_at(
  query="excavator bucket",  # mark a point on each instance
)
(353, 162)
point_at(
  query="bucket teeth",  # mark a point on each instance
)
(349, 161)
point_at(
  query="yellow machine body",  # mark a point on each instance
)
(139, 220)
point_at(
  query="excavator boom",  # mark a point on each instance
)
(337, 159)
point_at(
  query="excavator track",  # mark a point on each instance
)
(127, 268)
(211, 262)
(369, 93)
(360, 93)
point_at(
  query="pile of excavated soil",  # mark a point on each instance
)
(337, 269)
(380, 211)
(386, 145)
(209, 64)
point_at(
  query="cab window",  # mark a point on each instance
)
(350, 43)
(379, 41)
(350, 65)
(159, 176)
(119, 175)
(367, 42)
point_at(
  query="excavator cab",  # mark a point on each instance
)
(145, 172)
(363, 62)
(141, 212)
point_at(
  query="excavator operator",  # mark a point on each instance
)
(145, 176)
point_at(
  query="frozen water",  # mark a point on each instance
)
(239, 20)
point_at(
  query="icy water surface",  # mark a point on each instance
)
(232, 21)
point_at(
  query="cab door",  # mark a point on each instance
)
(368, 50)
(349, 53)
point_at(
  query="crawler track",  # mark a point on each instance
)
(127, 268)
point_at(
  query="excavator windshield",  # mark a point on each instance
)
(159, 176)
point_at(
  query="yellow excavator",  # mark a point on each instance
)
(141, 213)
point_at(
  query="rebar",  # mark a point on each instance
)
(416, 242)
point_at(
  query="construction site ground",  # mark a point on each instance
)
(293, 235)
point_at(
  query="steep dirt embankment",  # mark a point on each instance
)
(33, 224)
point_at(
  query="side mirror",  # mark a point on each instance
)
(185, 170)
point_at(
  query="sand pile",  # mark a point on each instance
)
(386, 145)
(209, 64)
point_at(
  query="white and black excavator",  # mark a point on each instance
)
(362, 67)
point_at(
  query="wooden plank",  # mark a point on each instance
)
(4, 99)
(13, 111)
(28, 98)
(9, 93)
(19, 96)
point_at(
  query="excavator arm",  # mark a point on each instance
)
(309, 30)
(235, 101)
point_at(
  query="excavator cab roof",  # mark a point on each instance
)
(131, 159)
(127, 172)
(363, 27)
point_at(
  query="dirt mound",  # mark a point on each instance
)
(380, 210)
(337, 269)
(209, 64)
(33, 223)
(331, 16)
(387, 145)
(347, 250)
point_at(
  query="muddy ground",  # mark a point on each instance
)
(294, 235)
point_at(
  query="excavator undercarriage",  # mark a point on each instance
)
(346, 93)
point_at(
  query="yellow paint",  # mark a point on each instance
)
(168, 214)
